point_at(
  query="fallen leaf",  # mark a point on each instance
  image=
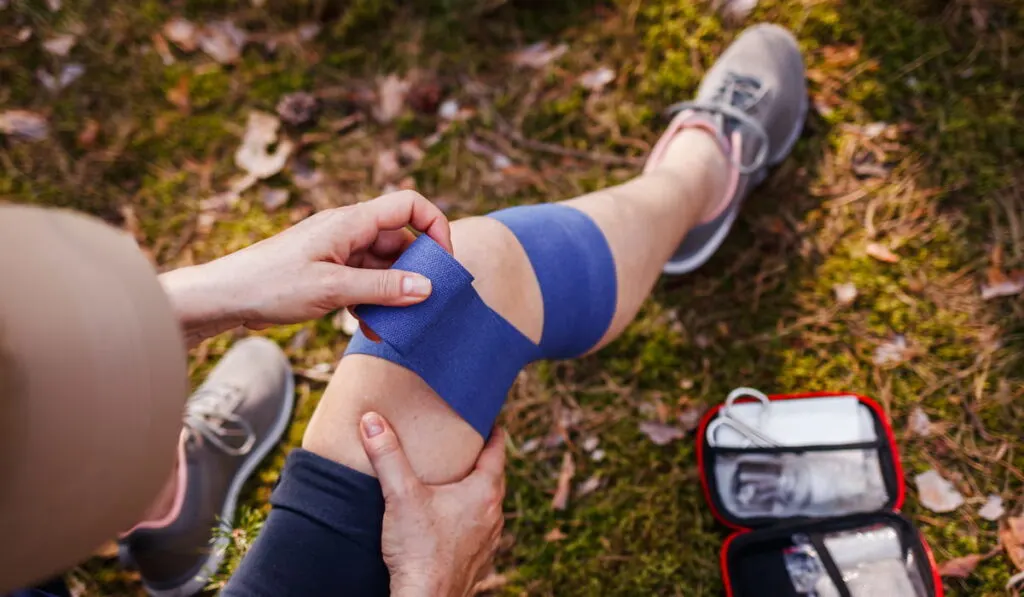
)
(537, 55)
(845, 293)
(60, 45)
(690, 418)
(321, 372)
(590, 444)
(23, 124)
(881, 253)
(23, 35)
(53, 5)
(529, 446)
(183, 33)
(993, 508)
(589, 486)
(1011, 536)
(222, 40)
(308, 31)
(736, 10)
(936, 493)
(565, 475)
(595, 80)
(410, 152)
(272, 199)
(386, 167)
(179, 95)
(87, 136)
(960, 567)
(69, 73)
(554, 535)
(999, 284)
(448, 109)
(161, 47)
(299, 340)
(919, 423)
(391, 92)
(597, 455)
(874, 129)
(297, 108)
(892, 352)
(660, 433)
(260, 133)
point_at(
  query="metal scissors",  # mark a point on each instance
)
(726, 418)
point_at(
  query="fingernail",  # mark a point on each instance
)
(372, 425)
(415, 286)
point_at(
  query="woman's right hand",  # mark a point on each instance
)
(438, 540)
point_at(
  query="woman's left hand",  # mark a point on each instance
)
(331, 260)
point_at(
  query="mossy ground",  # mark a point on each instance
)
(945, 77)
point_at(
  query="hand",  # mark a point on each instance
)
(333, 259)
(438, 540)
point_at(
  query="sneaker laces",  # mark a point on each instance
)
(734, 98)
(210, 412)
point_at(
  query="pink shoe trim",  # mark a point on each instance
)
(691, 120)
(181, 479)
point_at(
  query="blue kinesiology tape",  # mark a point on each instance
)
(465, 351)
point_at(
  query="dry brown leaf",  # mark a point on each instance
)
(918, 423)
(960, 567)
(386, 168)
(591, 485)
(1011, 536)
(554, 535)
(1000, 284)
(297, 108)
(260, 133)
(690, 418)
(993, 509)
(222, 40)
(87, 136)
(845, 293)
(537, 55)
(892, 352)
(162, 48)
(60, 45)
(597, 79)
(735, 11)
(565, 475)
(881, 253)
(179, 95)
(24, 124)
(272, 199)
(391, 92)
(661, 434)
(182, 32)
(69, 73)
(936, 493)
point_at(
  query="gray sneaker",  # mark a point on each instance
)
(754, 100)
(231, 422)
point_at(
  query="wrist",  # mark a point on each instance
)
(200, 301)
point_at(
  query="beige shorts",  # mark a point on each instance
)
(92, 385)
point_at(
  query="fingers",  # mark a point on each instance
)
(489, 473)
(407, 208)
(397, 479)
(390, 287)
(492, 459)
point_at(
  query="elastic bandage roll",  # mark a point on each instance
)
(468, 353)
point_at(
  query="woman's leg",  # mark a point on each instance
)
(750, 110)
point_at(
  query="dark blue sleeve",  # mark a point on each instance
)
(322, 536)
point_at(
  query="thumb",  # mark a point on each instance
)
(390, 287)
(397, 479)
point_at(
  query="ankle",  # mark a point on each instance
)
(698, 165)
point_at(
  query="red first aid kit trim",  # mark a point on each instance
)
(742, 530)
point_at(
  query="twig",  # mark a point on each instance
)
(592, 156)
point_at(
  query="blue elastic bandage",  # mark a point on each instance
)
(465, 351)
